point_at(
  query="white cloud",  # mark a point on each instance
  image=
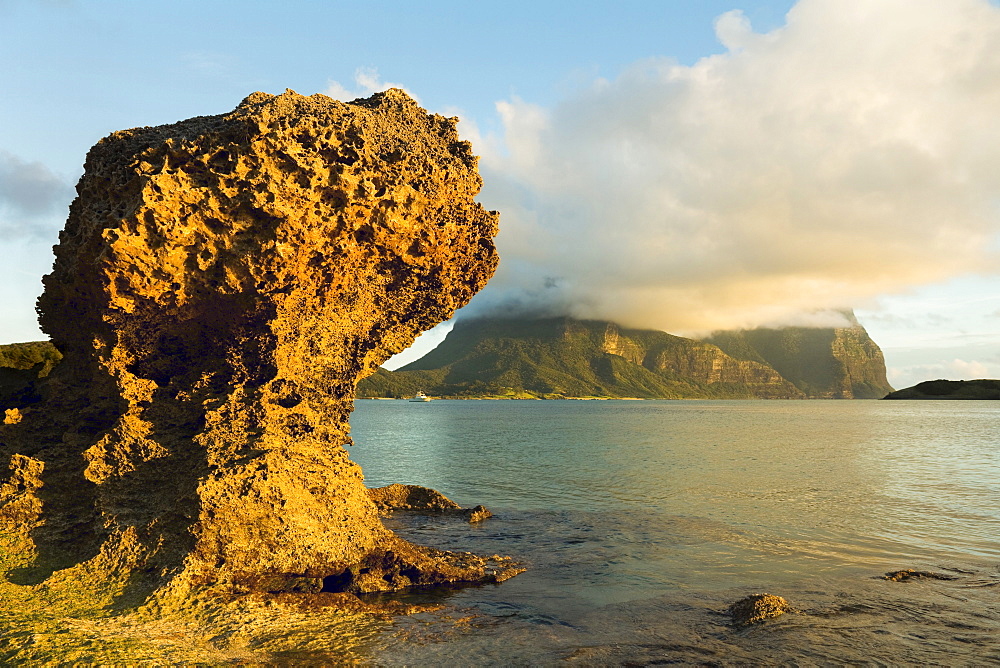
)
(954, 369)
(849, 154)
(366, 81)
(33, 199)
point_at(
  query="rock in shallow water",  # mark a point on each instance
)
(422, 500)
(908, 574)
(757, 607)
(219, 288)
(410, 497)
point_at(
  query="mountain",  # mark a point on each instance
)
(950, 389)
(825, 363)
(564, 357)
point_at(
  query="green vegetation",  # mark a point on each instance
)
(21, 364)
(825, 363)
(950, 389)
(556, 358)
(24, 356)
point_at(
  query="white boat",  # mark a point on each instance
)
(419, 396)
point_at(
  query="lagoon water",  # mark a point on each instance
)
(641, 521)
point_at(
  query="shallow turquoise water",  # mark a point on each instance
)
(641, 521)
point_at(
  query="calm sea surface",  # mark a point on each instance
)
(641, 521)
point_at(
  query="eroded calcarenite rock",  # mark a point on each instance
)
(756, 608)
(221, 285)
(422, 500)
(410, 497)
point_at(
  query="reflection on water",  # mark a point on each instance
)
(642, 521)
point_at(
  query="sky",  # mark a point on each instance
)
(685, 166)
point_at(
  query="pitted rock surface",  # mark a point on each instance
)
(220, 287)
(423, 500)
(756, 608)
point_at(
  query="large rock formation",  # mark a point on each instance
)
(220, 286)
(823, 362)
(560, 357)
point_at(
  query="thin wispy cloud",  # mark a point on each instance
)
(209, 64)
(849, 154)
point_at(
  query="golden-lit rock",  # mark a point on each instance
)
(219, 288)
(757, 607)
(410, 497)
(423, 500)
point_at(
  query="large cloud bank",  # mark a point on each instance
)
(852, 153)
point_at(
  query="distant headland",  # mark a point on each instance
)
(950, 389)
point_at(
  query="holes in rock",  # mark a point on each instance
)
(416, 249)
(215, 224)
(364, 234)
(338, 583)
(392, 156)
(347, 158)
(296, 425)
(285, 394)
(221, 162)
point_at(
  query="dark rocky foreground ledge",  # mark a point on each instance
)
(950, 389)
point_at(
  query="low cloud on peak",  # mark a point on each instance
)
(849, 154)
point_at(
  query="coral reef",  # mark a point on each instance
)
(220, 287)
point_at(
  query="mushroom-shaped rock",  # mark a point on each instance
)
(220, 287)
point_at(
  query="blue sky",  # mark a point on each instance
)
(673, 163)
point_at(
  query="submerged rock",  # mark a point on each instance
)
(757, 608)
(219, 288)
(911, 574)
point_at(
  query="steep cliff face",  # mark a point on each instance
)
(566, 357)
(219, 288)
(703, 362)
(824, 363)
